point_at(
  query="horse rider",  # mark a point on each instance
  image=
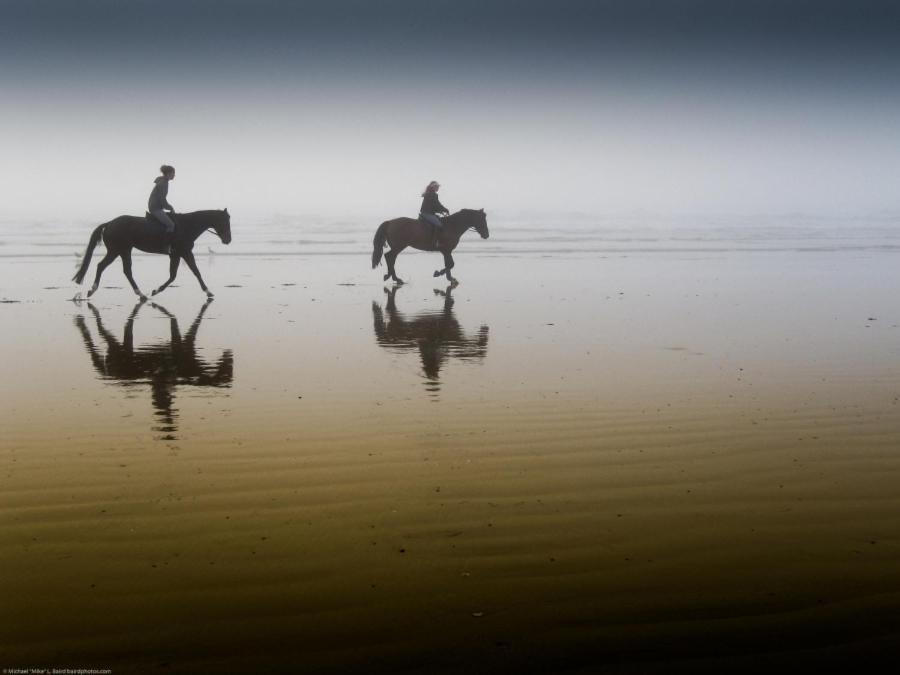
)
(431, 207)
(158, 204)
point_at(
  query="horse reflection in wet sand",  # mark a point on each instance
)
(437, 336)
(162, 365)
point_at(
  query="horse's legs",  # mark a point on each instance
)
(174, 261)
(189, 259)
(448, 265)
(128, 337)
(389, 258)
(102, 265)
(126, 267)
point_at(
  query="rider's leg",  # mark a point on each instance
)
(166, 220)
(436, 225)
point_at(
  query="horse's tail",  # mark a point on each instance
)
(86, 262)
(378, 244)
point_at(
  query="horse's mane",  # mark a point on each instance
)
(204, 212)
(465, 212)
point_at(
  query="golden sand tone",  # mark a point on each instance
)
(639, 464)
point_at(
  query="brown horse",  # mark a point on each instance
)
(402, 232)
(124, 233)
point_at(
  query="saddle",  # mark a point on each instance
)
(153, 220)
(423, 219)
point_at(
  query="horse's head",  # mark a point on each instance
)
(478, 220)
(222, 226)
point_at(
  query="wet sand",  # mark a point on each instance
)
(612, 458)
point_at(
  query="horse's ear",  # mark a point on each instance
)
(482, 210)
(226, 209)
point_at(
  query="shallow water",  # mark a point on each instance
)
(616, 448)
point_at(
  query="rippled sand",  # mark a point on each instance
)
(601, 462)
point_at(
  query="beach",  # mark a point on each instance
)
(614, 447)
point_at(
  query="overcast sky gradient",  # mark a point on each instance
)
(349, 107)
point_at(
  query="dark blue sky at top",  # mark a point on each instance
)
(47, 39)
(801, 21)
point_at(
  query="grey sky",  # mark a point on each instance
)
(351, 107)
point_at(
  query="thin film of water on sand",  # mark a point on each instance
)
(614, 448)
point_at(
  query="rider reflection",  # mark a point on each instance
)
(164, 365)
(437, 336)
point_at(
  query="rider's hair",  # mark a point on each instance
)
(430, 187)
(165, 169)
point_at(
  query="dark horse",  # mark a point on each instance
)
(163, 365)
(437, 336)
(402, 232)
(124, 233)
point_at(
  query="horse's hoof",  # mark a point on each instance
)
(437, 273)
(154, 292)
(387, 276)
(454, 283)
(209, 295)
(399, 281)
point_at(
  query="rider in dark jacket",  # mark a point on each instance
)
(158, 204)
(432, 207)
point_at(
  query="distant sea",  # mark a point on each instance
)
(525, 235)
